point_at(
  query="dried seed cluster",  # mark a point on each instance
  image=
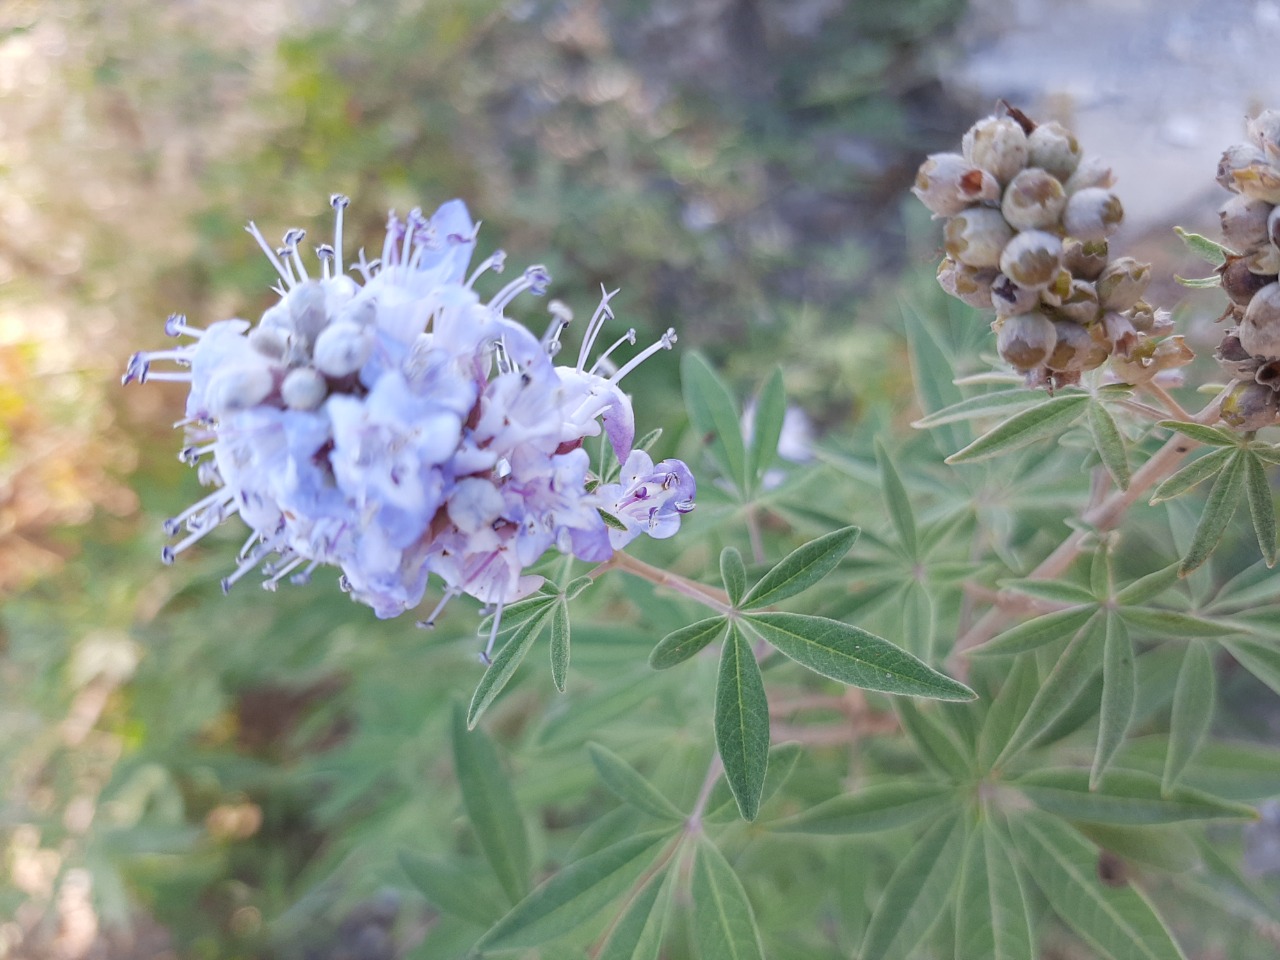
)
(1250, 351)
(1028, 219)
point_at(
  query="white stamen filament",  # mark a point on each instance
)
(665, 342)
(430, 621)
(495, 262)
(173, 376)
(223, 496)
(628, 337)
(253, 231)
(283, 571)
(603, 313)
(253, 561)
(339, 207)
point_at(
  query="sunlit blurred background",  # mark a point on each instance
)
(185, 775)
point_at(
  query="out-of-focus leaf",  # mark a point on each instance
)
(766, 427)
(1193, 701)
(913, 898)
(1123, 797)
(1044, 420)
(742, 722)
(1119, 689)
(1054, 591)
(1109, 444)
(1164, 846)
(451, 888)
(853, 656)
(1006, 710)
(630, 786)
(714, 414)
(883, 806)
(514, 614)
(560, 645)
(897, 502)
(491, 806)
(1218, 511)
(574, 895)
(801, 568)
(939, 746)
(932, 374)
(734, 574)
(679, 645)
(637, 934)
(1169, 623)
(724, 926)
(1203, 247)
(992, 915)
(1075, 668)
(1193, 474)
(1248, 772)
(1147, 588)
(1036, 632)
(1262, 506)
(505, 664)
(1115, 920)
(996, 403)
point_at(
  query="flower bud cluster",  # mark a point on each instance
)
(1250, 350)
(402, 426)
(1028, 217)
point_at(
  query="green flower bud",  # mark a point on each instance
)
(1244, 222)
(1033, 200)
(1091, 172)
(1236, 158)
(1092, 214)
(1085, 260)
(968, 284)
(1123, 283)
(947, 183)
(1240, 283)
(1076, 349)
(1008, 298)
(997, 144)
(1025, 341)
(1051, 147)
(976, 237)
(1259, 331)
(1032, 259)
(1249, 407)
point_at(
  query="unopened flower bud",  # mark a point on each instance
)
(1264, 260)
(947, 183)
(1234, 360)
(1123, 283)
(1240, 283)
(239, 388)
(1085, 259)
(977, 236)
(968, 284)
(1235, 158)
(1032, 259)
(1264, 131)
(1025, 341)
(1259, 331)
(1151, 359)
(307, 310)
(1092, 214)
(1008, 298)
(342, 348)
(1075, 350)
(1147, 319)
(997, 144)
(268, 341)
(1120, 332)
(1080, 305)
(1092, 172)
(1052, 147)
(1244, 222)
(1033, 200)
(1260, 181)
(1249, 407)
(303, 389)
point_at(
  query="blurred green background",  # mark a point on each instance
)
(188, 775)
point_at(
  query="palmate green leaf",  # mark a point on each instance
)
(714, 414)
(515, 614)
(1006, 710)
(913, 899)
(721, 807)
(724, 926)
(1247, 772)
(932, 374)
(1074, 669)
(506, 663)
(1101, 571)
(451, 888)
(919, 626)
(1149, 587)
(996, 403)
(1262, 506)
(1164, 624)
(742, 722)
(1230, 889)
(992, 915)
(1116, 921)
(766, 427)
(1212, 436)
(637, 933)
(734, 573)
(1167, 846)
(884, 806)
(1036, 632)
(1193, 702)
(1193, 474)
(491, 807)
(573, 896)
(560, 645)
(853, 656)
(1218, 510)
(1260, 659)
(679, 645)
(801, 568)
(1109, 443)
(1054, 591)
(628, 785)
(1203, 247)
(1043, 420)
(897, 502)
(939, 745)
(1119, 690)
(1124, 797)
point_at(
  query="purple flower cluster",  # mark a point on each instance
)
(401, 426)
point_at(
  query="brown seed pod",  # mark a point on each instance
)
(1008, 298)
(1123, 283)
(947, 183)
(997, 144)
(1244, 222)
(1025, 341)
(1085, 260)
(1239, 282)
(1034, 200)
(1075, 350)
(968, 284)
(1052, 147)
(977, 237)
(1032, 259)
(1092, 214)
(1250, 406)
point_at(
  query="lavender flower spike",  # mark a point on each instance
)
(401, 426)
